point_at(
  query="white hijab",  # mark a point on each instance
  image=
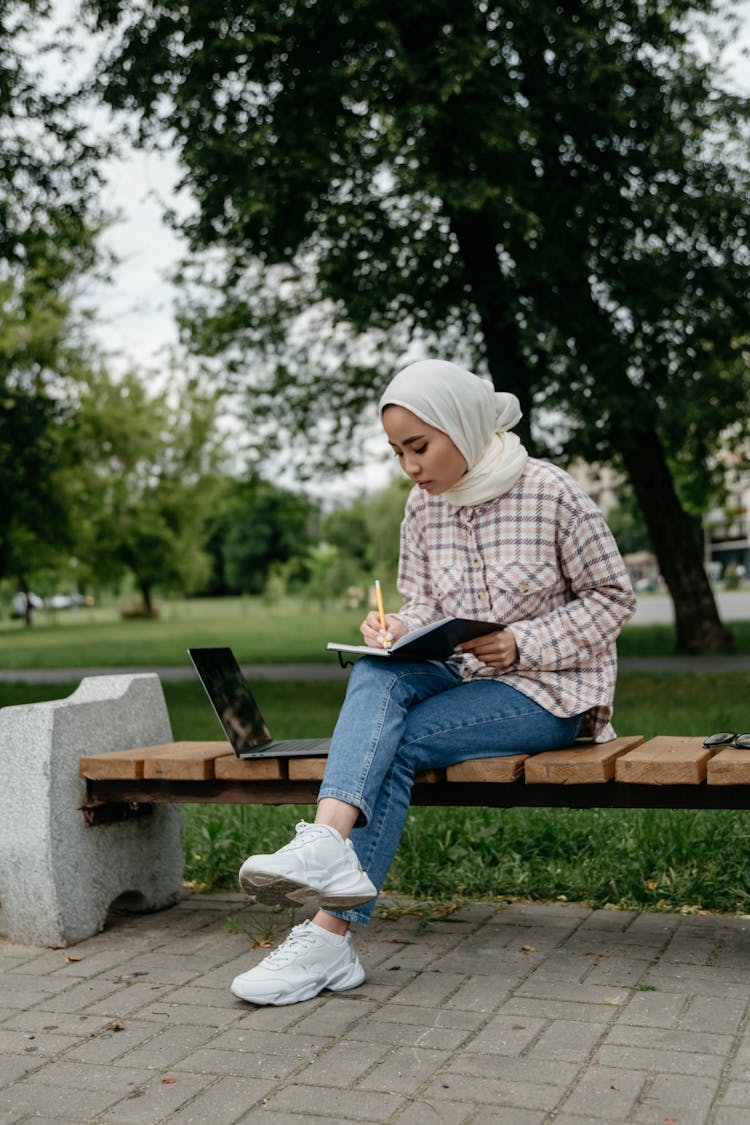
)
(474, 416)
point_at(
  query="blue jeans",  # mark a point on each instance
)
(400, 717)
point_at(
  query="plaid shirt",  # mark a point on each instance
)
(539, 558)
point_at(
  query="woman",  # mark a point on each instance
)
(491, 534)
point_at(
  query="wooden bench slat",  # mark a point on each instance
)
(251, 769)
(665, 760)
(191, 761)
(730, 766)
(186, 761)
(306, 769)
(582, 764)
(491, 770)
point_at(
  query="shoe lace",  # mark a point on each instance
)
(301, 937)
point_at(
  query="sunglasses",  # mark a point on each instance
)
(742, 741)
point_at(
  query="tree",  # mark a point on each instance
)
(49, 219)
(553, 193)
(151, 483)
(258, 526)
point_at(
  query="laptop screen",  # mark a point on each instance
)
(230, 698)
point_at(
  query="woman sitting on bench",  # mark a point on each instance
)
(490, 534)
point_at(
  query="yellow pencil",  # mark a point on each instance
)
(381, 611)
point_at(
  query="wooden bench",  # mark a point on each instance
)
(628, 772)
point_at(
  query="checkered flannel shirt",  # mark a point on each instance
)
(539, 558)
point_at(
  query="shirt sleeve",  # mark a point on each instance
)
(415, 585)
(602, 600)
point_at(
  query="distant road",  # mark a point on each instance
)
(656, 609)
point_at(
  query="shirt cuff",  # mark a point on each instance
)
(527, 643)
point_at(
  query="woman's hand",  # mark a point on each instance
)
(498, 650)
(372, 630)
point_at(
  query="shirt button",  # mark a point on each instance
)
(483, 597)
(524, 588)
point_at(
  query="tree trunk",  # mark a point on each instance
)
(495, 302)
(148, 604)
(28, 615)
(697, 622)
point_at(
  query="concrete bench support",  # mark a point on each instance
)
(58, 875)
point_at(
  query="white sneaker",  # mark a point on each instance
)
(306, 963)
(318, 866)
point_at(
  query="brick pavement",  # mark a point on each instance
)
(498, 1014)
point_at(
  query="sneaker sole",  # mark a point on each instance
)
(274, 890)
(307, 992)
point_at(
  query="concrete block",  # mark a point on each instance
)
(59, 876)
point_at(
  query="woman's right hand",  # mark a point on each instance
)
(372, 630)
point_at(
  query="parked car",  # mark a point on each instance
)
(19, 603)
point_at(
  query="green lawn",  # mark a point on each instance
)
(293, 632)
(632, 858)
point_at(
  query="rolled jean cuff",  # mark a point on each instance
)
(357, 916)
(365, 812)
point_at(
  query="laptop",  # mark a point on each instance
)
(239, 714)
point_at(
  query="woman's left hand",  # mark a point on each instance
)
(498, 650)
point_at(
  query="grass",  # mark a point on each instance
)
(292, 632)
(259, 634)
(644, 859)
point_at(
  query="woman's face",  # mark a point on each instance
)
(427, 456)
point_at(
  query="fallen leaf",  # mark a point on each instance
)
(528, 949)
(168, 1081)
(70, 960)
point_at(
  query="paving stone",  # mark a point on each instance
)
(547, 1008)
(729, 1115)
(80, 1076)
(23, 1101)
(506, 1035)
(13, 1067)
(607, 921)
(670, 1095)
(605, 1093)
(668, 1039)
(404, 1070)
(167, 1047)
(552, 1072)
(494, 1092)
(570, 1040)
(654, 1009)
(737, 1094)
(668, 1062)
(156, 1101)
(554, 989)
(577, 1119)
(433, 1017)
(447, 1113)
(375, 1030)
(704, 1013)
(344, 1105)
(224, 1102)
(482, 994)
(343, 1064)
(698, 981)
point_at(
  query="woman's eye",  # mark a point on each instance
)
(422, 450)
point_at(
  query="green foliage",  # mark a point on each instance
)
(258, 528)
(149, 482)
